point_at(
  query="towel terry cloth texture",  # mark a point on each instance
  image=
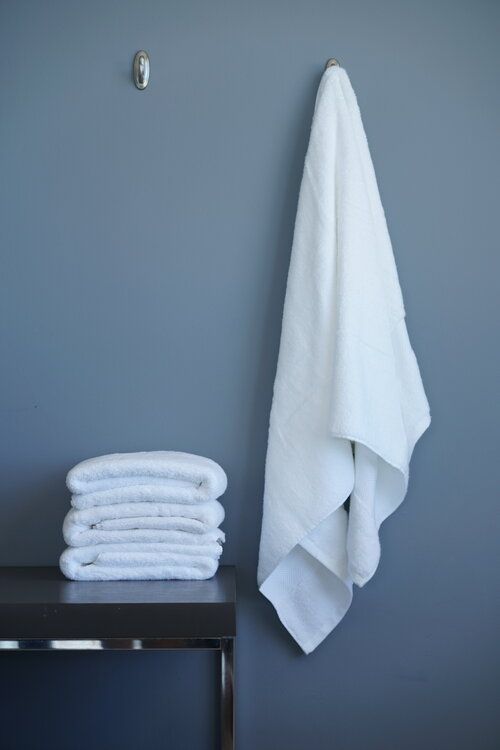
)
(151, 515)
(348, 401)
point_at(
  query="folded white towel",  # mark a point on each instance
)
(163, 475)
(167, 492)
(128, 515)
(144, 522)
(348, 404)
(117, 562)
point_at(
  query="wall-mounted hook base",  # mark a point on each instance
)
(141, 69)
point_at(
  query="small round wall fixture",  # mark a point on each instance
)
(141, 69)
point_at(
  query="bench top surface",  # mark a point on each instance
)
(40, 602)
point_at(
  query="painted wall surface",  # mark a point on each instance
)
(145, 241)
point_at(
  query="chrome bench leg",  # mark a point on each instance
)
(227, 693)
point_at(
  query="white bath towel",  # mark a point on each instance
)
(166, 492)
(117, 562)
(144, 522)
(163, 476)
(348, 403)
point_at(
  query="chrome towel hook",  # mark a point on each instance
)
(141, 69)
(331, 62)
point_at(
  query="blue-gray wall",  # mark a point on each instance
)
(145, 240)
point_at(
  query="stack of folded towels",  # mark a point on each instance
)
(144, 516)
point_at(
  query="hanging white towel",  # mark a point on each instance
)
(348, 403)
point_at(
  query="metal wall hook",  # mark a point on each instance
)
(331, 62)
(141, 69)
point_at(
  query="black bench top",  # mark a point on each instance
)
(38, 602)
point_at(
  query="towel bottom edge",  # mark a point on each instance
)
(309, 598)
